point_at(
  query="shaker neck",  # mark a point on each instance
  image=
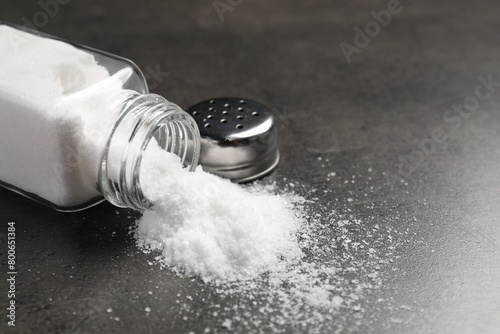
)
(142, 118)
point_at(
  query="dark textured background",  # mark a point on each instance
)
(358, 116)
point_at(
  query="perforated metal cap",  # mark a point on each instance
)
(238, 138)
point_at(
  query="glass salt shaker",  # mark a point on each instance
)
(126, 119)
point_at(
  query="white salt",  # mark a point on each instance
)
(227, 324)
(320, 292)
(46, 147)
(270, 266)
(207, 226)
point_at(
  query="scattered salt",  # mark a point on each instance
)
(285, 257)
(321, 291)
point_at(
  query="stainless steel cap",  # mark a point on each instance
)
(238, 138)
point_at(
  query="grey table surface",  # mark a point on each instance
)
(378, 112)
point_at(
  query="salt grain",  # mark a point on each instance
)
(227, 324)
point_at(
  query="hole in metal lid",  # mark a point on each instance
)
(208, 125)
(210, 116)
(223, 120)
(225, 112)
(255, 113)
(239, 126)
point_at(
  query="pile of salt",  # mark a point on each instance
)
(207, 226)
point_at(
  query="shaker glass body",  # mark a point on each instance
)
(74, 146)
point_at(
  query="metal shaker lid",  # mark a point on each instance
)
(238, 138)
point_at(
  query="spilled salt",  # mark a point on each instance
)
(325, 262)
(207, 226)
